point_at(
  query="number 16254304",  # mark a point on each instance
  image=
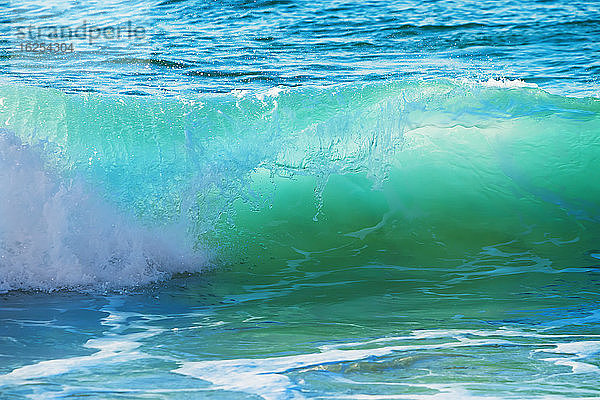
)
(33, 47)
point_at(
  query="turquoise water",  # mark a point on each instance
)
(285, 200)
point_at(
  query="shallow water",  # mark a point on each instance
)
(279, 200)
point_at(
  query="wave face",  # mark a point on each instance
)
(107, 192)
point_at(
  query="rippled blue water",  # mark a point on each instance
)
(218, 46)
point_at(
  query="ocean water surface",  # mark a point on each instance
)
(299, 200)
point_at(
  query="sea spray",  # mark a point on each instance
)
(58, 233)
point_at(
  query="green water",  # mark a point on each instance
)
(406, 240)
(285, 199)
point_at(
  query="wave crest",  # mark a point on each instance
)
(57, 233)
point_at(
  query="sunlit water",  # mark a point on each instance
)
(287, 200)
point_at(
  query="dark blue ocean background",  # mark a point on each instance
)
(217, 46)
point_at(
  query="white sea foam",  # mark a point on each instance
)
(508, 83)
(112, 348)
(573, 355)
(267, 377)
(500, 83)
(272, 92)
(58, 233)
